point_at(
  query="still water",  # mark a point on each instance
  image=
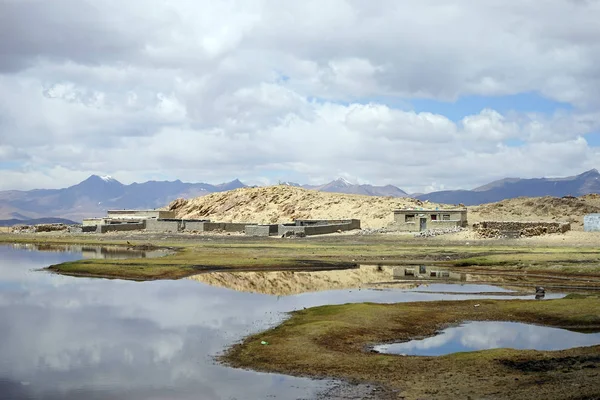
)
(80, 338)
(481, 335)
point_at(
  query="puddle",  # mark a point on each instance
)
(483, 335)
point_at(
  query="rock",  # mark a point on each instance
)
(437, 232)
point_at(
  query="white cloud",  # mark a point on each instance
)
(257, 89)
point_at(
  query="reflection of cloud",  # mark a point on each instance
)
(68, 335)
(493, 334)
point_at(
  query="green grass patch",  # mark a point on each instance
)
(333, 341)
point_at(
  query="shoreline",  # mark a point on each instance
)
(333, 341)
(216, 253)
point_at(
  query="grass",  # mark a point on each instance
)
(201, 253)
(333, 341)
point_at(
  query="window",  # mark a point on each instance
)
(409, 218)
(446, 217)
(434, 217)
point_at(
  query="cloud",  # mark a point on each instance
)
(265, 90)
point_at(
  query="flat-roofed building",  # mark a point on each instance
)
(416, 220)
(140, 214)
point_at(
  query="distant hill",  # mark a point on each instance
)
(509, 188)
(97, 194)
(37, 221)
(341, 185)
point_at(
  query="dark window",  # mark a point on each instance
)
(409, 218)
(446, 217)
(434, 217)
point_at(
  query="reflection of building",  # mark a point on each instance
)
(425, 272)
(415, 220)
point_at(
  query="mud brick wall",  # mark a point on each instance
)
(261, 230)
(158, 225)
(121, 227)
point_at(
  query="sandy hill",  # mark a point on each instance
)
(282, 203)
(564, 209)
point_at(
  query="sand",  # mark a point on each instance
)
(276, 204)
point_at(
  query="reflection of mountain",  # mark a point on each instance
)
(285, 283)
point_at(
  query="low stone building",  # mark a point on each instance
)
(304, 227)
(416, 220)
(140, 214)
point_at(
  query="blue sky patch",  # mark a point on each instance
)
(514, 142)
(593, 139)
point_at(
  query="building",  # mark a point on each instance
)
(140, 214)
(124, 220)
(416, 220)
(591, 223)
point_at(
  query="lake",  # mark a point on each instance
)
(82, 338)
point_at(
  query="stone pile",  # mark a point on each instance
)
(373, 231)
(292, 235)
(46, 228)
(503, 229)
(437, 232)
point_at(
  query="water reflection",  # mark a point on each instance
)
(77, 338)
(481, 335)
(90, 252)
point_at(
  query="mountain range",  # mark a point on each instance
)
(508, 188)
(36, 221)
(97, 194)
(341, 185)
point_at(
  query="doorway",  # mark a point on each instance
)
(423, 224)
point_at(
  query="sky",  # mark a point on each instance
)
(426, 95)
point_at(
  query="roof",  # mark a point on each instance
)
(417, 210)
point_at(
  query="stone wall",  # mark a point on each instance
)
(353, 223)
(134, 226)
(591, 223)
(261, 230)
(492, 229)
(190, 226)
(157, 225)
(320, 229)
(225, 226)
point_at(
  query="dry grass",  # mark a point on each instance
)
(331, 341)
